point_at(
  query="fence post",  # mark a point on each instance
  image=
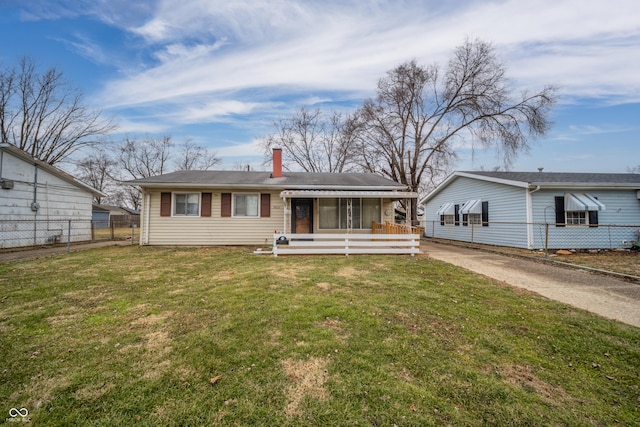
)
(69, 237)
(113, 229)
(93, 230)
(133, 233)
(546, 240)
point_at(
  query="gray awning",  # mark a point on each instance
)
(472, 207)
(447, 209)
(330, 194)
(582, 202)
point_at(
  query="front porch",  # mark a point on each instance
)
(345, 222)
(402, 240)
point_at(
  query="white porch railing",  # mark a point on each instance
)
(345, 244)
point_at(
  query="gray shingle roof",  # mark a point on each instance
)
(564, 177)
(289, 180)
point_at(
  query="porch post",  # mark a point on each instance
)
(284, 214)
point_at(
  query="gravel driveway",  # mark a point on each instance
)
(606, 296)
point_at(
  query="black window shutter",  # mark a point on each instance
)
(593, 218)
(560, 219)
(457, 215)
(485, 214)
(465, 219)
(441, 219)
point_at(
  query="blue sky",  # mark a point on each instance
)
(220, 72)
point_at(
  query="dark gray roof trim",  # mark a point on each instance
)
(289, 180)
(567, 178)
(548, 180)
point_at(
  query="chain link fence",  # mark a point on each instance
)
(540, 236)
(36, 235)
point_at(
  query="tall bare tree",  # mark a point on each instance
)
(410, 129)
(314, 141)
(146, 157)
(97, 170)
(44, 115)
(191, 156)
(142, 158)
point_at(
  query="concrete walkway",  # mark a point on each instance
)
(606, 296)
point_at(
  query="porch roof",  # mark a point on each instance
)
(330, 194)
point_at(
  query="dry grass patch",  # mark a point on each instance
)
(348, 272)
(94, 391)
(324, 286)
(151, 319)
(41, 390)
(307, 378)
(525, 377)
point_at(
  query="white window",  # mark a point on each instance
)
(475, 219)
(246, 205)
(449, 219)
(187, 204)
(577, 218)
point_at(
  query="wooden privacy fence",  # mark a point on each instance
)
(392, 228)
(345, 244)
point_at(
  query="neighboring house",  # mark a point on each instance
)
(117, 216)
(100, 216)
(536, 209)
(37, 201)
(246, 208)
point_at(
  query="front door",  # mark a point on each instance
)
(302, 218)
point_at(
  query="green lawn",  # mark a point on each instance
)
(208, 336)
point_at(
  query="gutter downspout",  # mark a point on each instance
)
(34, 204)
(529, 213)
(147, 210)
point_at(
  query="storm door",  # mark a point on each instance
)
(302, 215)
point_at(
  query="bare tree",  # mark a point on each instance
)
(145, 158)
(142, 158)
(44, 115)
(409, 131)
(314, 141)
(97, 170)
(192, 156)
(634, 169)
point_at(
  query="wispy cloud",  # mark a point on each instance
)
(208, 60)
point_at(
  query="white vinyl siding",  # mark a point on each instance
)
(622, 208)
(59, 201)
(213, 230)
(506, 207)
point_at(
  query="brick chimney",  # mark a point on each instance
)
(277, 163)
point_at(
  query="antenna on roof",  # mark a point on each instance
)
(540, 169)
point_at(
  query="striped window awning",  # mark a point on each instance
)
(471, 207)
(582, 202)
(447, 209)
